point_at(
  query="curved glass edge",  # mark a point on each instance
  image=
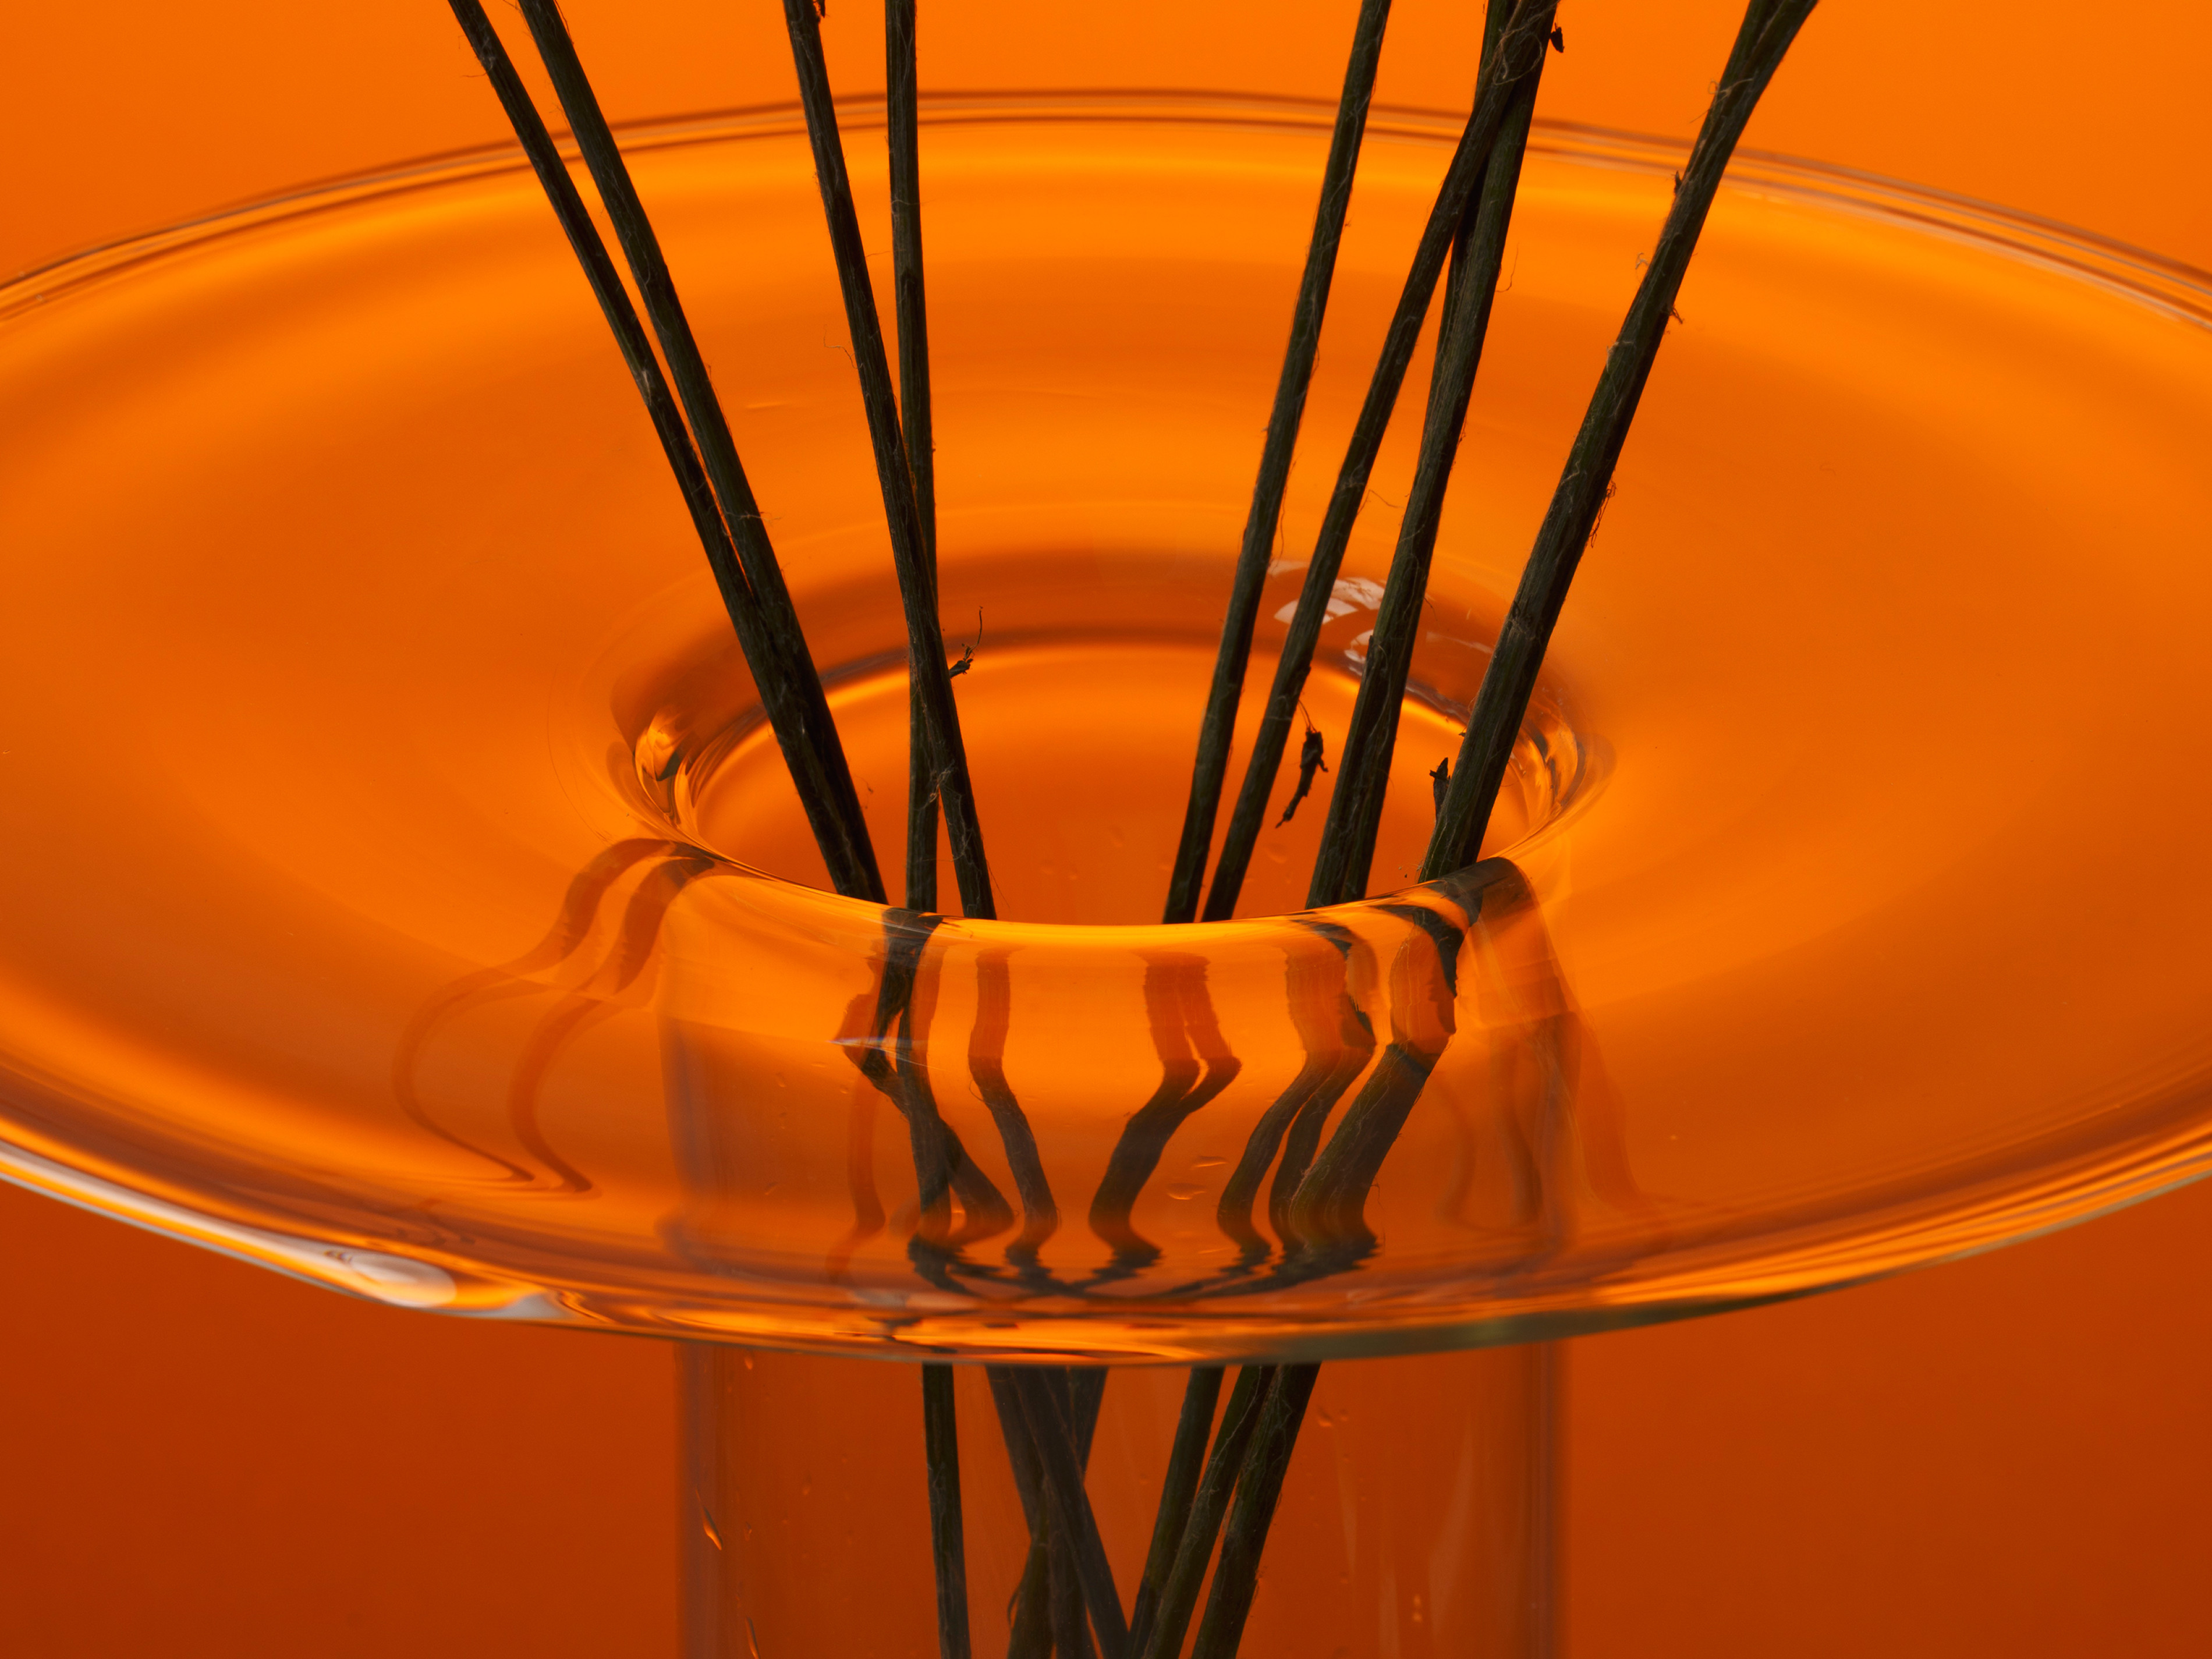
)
(376, 1274)
(2168, 285)
(1710, 1281)
(1705, 1282)
(2146, 275)
(2007, 1211)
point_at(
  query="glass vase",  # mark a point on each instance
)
(404, 894)
(1418, 1518)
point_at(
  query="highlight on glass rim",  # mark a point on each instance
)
(1109, 797)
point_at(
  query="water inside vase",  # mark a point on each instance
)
(1416, 1522)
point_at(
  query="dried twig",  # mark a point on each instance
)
(737, 546)
(1769, 27)
(1329, 1198)
(903, 122)
(1219, 722)
(894, 474)
(1524, 39)
(1355, 807)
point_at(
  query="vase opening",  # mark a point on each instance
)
(1079, 707)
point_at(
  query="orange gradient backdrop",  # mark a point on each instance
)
(2000, 1457)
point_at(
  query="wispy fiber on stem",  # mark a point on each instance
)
(737, 546)
(1219, 724)
(1524, 40)
(917, 585)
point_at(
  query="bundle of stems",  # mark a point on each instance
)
(1223, 1479)
(696, 438)
(1251, 1450)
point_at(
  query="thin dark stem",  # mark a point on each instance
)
(1523, 42)
(1185, 1463)
(903, 122)
(943, 1169)
(1190, 1512)
(1355, 807)
(1188, 1517)
(1220, 724)
(850, 857)
(904, 118)
(1071, 1636)
(1769, 27)
(1037, 1598)
(791, 691)
(1258, 1488)
(1087, 1391)
(786, 673)
(1328, 1200)
(1050, 1413)
(942, 1446)
(1454, 281)
(1326, 1213)
(1031, 1636)
(1178, 1597)
(940, 1439)
(917, 586)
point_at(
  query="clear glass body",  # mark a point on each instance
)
(400, 894)
(1416, 1517)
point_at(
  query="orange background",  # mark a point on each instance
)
(2005, 1455)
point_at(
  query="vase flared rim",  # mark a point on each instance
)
(2155, 277)
(1996, 1204)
